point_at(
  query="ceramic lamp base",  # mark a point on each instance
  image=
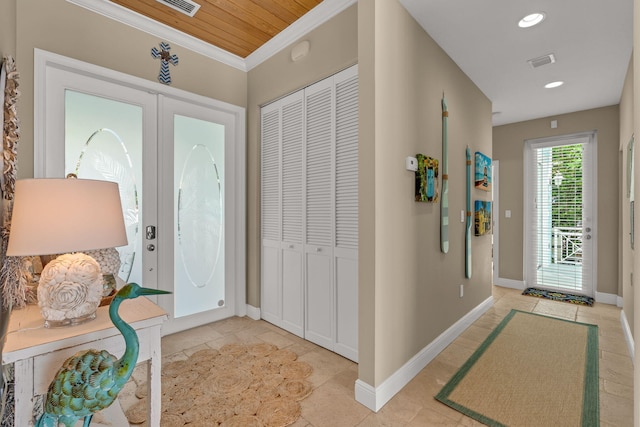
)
(70, 290)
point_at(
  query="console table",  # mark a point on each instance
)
(37, 352)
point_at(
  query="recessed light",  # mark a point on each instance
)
(553, 84)
(531, 20)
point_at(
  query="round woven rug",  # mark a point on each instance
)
(248, 385)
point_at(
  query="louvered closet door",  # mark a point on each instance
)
(292, 214)
(346, 213)
(319, 242)
(310, 213)
(282, 213)
(271, 293)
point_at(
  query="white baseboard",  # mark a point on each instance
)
(253, 312)
(628, 336)
(605, 298)
(375, 398)
(509, 283)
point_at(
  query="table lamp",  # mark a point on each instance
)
(66, 216)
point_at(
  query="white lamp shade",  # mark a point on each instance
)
(53, 216)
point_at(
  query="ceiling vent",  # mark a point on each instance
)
(542, 60)
(185, 6)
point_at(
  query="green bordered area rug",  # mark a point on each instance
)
(532, 370)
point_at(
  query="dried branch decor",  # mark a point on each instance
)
(12, 281)
(12, 273)
(11, 133)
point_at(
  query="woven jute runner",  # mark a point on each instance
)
(531, 371)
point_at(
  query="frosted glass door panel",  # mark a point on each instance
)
(103, 141)
(199, 215)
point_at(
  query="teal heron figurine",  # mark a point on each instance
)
(90, 380)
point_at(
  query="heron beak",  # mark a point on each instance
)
(149, 291)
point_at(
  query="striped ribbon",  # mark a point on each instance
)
(467, 237)
(444, 204)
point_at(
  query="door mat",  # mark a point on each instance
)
(559, 296)
(240, 385)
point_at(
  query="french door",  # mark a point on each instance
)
(560, 224)
(171, 156)
(198, 210)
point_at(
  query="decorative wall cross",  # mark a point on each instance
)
(165, 59)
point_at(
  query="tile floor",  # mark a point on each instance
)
(332, 401)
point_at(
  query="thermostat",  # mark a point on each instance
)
(411, 163)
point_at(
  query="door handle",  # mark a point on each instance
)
(150, 232)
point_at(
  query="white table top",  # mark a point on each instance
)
(27, 336)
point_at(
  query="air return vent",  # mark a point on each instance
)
(542, 60)
(185, 6)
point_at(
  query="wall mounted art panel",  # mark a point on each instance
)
(482, 217)
(426, 179)
(483, 172)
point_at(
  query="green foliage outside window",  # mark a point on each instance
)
(566, 208)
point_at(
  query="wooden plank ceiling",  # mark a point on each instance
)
(237, 26)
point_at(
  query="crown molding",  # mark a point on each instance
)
(148, 25)
(308, 22)
(311, 20)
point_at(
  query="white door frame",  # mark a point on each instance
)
(44, 61)
(590, 163)
(495, 191)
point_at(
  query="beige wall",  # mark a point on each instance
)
(333, 47)
(636, 254)
(61, 27)
(366, 192)
(624, 247)
(409, 290)
(508, 144)
(7, 27)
